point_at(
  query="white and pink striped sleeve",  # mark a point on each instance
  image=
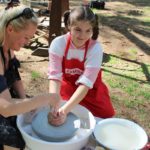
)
(55, 67)
(56, 52)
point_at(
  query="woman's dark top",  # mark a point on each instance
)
(11, 74)
(9, 133)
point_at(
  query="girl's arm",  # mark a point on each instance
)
(87, 80)
(78, 95)
(75, 99)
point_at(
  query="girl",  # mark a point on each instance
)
(18, 25)
(75, 67)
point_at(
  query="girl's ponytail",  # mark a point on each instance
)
(66, 18)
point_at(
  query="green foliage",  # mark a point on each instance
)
(35, 75)
(133, 51)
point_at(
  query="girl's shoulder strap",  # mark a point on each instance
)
(67, 44)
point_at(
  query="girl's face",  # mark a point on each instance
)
(81, 31)
(18, 39)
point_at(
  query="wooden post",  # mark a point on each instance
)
(65, 6)
(58, 7)
(55, 20)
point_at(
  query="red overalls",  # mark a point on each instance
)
(97, 99)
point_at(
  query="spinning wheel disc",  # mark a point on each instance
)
(52, 133)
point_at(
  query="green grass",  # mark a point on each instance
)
(35, 75)
(128, 78)
(134, 103)
(132, 99)
(139, 1)
(145, 94)
(133, 51)
(128, 81)
(146, 10)
(146, 19)
(146, 23)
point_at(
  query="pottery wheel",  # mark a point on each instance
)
(51, 133)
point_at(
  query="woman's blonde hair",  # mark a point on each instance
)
(7, 16)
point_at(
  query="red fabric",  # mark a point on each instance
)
(97, 100)
(147, 147)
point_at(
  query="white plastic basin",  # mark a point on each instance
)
(120, 134)
(80, 139)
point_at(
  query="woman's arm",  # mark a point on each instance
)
(11, 107)
(54, 86)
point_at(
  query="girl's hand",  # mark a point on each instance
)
(58, 118)
(54, 109)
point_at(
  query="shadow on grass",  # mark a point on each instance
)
(140, 2)
(125, 26)
(136, 2)
(145, 70)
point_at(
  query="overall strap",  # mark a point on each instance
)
(86, 49)
(66, 52)
(68, 44)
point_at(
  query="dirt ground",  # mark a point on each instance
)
(115, 40)
(119, 33)
(117, 36)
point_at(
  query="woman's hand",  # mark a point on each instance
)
(30, 115)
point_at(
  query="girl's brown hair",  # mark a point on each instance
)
(82, 13)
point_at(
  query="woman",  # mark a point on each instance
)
(18, 25)
(75, 67)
